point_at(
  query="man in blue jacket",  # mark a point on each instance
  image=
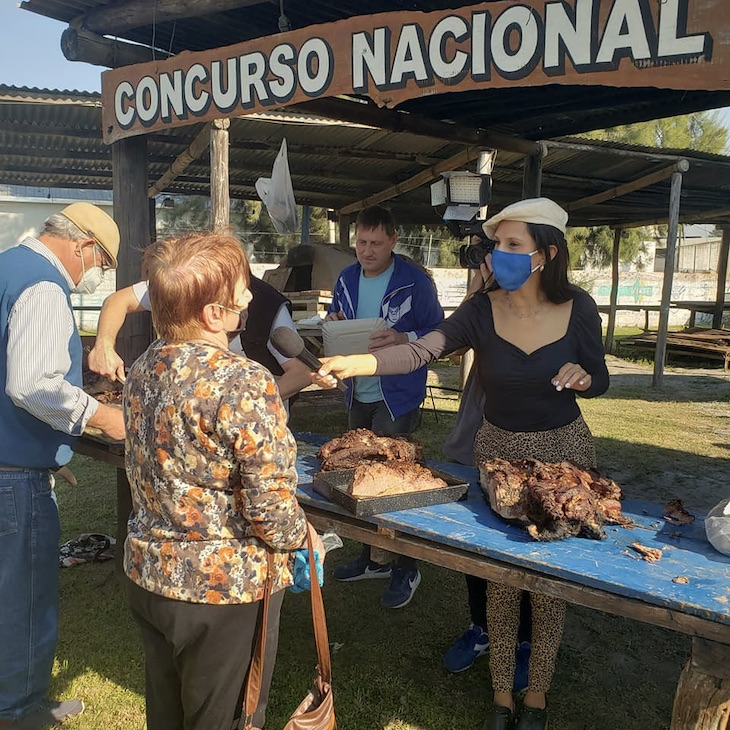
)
(383, 284)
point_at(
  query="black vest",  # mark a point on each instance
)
(262, 311)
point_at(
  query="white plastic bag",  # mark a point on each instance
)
(717, 527)
(277, 194)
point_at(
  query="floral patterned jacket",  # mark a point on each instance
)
(210, 463)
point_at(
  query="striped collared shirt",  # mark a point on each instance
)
(39, 327)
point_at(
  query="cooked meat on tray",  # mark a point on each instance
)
(555, 500)
(354, 447)
(376, 479)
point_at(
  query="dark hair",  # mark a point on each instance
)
(554, 276)
(374, 217)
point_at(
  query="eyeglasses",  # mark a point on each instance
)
(106, 262)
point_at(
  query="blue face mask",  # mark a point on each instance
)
(512, 270)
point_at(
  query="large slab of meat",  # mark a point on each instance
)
(376, 479)
(554, 500)
(351, 449)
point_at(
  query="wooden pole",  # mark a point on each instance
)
(433, 172)
(194, 150)
(219, 196)
(630, 187)
(721, 279)
(532, 174)
(613, 298)
(78, 44)
(345, 221)
(661, 338)
(137, 13)
(702, 701)
(306, 215)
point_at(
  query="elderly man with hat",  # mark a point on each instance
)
(43, 408)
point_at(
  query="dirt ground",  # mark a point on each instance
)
(697, 466)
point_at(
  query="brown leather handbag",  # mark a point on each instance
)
(317, 709)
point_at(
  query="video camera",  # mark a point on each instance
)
(471, 255)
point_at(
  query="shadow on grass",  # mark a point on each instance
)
(657, 474)
(675, 387)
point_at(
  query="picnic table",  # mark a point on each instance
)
(606, 575)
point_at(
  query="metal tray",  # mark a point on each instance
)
(333, 485)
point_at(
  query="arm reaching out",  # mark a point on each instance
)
(347, 366)
(103, 357)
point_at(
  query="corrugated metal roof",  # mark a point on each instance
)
(55, 141)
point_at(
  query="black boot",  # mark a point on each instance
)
(532, 718)
(499, 718)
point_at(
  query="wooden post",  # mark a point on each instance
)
(345, 221)
(219, 196)
(532, 174)
(702, 701)
(721, 279)
(613, 297)
(661, 338)
(131, 212)
(306, 215)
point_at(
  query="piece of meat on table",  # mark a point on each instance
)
(379, 478)
(651, 555)
(361, 444)
(676, 513)
(556, 500)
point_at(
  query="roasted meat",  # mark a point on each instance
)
(375, 479)
(354, 447)
(555, 500)
(676, 513)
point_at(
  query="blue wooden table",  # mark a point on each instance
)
(607, 575)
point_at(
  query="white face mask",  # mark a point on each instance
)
(90, 279)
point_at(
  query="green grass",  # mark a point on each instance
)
(612, 672)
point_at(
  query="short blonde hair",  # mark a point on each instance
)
(188, 272)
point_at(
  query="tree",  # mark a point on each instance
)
(701, 131)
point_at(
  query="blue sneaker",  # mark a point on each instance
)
(402, 586)
(522, 666)
(361, 569)
(471, 644)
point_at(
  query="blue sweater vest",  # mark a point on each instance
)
(25, 441)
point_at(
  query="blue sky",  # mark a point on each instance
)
(30, 54)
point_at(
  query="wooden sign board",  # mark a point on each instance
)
(393, 57)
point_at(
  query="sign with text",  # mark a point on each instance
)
(393, 57)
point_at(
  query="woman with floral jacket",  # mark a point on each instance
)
(210, 462)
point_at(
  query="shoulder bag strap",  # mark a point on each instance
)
(256, 670)
(318, 618)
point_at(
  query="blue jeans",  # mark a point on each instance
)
(29, 535)
(376, 417)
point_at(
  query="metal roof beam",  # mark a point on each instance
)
(115, 18)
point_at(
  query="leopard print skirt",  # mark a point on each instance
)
(573, 442)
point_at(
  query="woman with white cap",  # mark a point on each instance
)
(537, 341)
